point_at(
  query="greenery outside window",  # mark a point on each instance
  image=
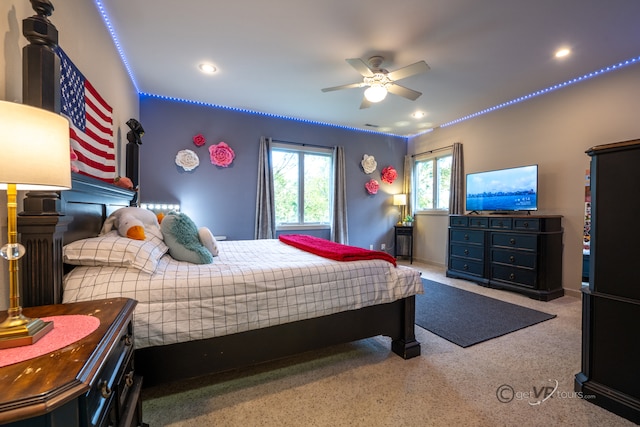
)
(432, 183)
(302, 185)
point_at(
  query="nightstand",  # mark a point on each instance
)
(90, 382)
(407, 232)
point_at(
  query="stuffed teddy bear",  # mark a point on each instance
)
(133, 222)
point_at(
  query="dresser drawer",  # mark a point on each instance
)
(500, 223)
(104, 394)
(515, 258)
(479, 222)
(467, 236)
(458, 221)
(467, 266)
(514, 240)
(467, 251)
(526, 224)
(518, 276)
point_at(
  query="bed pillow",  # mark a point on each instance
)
(113, 250)
(208, 240)
(181, 235)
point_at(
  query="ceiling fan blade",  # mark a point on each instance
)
(360, 66)
(365, 103)
(411, 94)
(349, 86)
(408, 71)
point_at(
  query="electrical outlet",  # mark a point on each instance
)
(383, 247)
(370, 247)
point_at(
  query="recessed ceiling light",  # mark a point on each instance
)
(207, 68)
(418, 114)
(561, 53)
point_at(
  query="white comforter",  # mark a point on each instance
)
(252, 284)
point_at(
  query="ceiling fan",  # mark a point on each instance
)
(381, 81)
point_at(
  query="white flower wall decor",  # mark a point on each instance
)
(187, 160)
(368, 163)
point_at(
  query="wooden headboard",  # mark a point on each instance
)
(51, 220)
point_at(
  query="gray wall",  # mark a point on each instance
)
(223, 199)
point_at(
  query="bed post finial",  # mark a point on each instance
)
(40, 64)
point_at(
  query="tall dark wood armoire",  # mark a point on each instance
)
(610, 375)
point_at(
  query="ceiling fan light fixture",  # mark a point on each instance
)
(375, 93)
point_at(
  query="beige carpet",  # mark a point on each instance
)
(364, 384)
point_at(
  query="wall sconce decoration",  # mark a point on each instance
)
(199, 140)
(372, 186)
(221, 154)
(389, 174)
(187, 160)
(368, 163)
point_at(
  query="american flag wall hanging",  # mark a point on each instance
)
(90, 122)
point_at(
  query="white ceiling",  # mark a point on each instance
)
(275, 56)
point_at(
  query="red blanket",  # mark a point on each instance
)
(332, 250)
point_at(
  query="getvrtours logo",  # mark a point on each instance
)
(538, 393)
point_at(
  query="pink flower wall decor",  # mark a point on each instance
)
(199, 140)
(389, 174)
(372, 186)
(221, 154)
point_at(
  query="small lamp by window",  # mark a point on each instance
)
(400, 200)
(34, 155)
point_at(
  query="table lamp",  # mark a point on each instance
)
(400, 200)
(34, 155)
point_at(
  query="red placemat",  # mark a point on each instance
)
(66, 330)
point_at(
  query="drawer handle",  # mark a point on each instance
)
(512, 276)
(128, 341)
(466, 251)
(128, 379)
(466, 237)
(105, 390)
(512, 241)
(512, 258)
(465, 267)
(526, 224)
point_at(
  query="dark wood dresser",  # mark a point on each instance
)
(610, 375)
(521, 253)
(91, 382)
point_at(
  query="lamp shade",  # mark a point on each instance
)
(34, 148)
(400, 199)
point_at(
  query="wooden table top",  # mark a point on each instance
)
(39, 385)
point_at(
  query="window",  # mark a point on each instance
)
(432, 183)
(302, 185)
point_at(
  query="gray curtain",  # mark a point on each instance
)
(265, 227)
(339, 229)
(456, 196)
(407, 184)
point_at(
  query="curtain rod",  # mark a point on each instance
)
(432, 151)
(301, 143)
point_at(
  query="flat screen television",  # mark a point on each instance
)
(503, 190)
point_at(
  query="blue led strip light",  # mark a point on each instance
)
(547, 90)
(107, 22)
(276, 116)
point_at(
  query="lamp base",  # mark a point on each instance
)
(18, 331)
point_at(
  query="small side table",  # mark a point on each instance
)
(406, 231)
(91, 382)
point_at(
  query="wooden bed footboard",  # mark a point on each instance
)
(51, 220)
(163, 364)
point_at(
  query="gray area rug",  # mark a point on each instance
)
(466, 318)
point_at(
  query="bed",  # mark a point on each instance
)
(244, 333)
